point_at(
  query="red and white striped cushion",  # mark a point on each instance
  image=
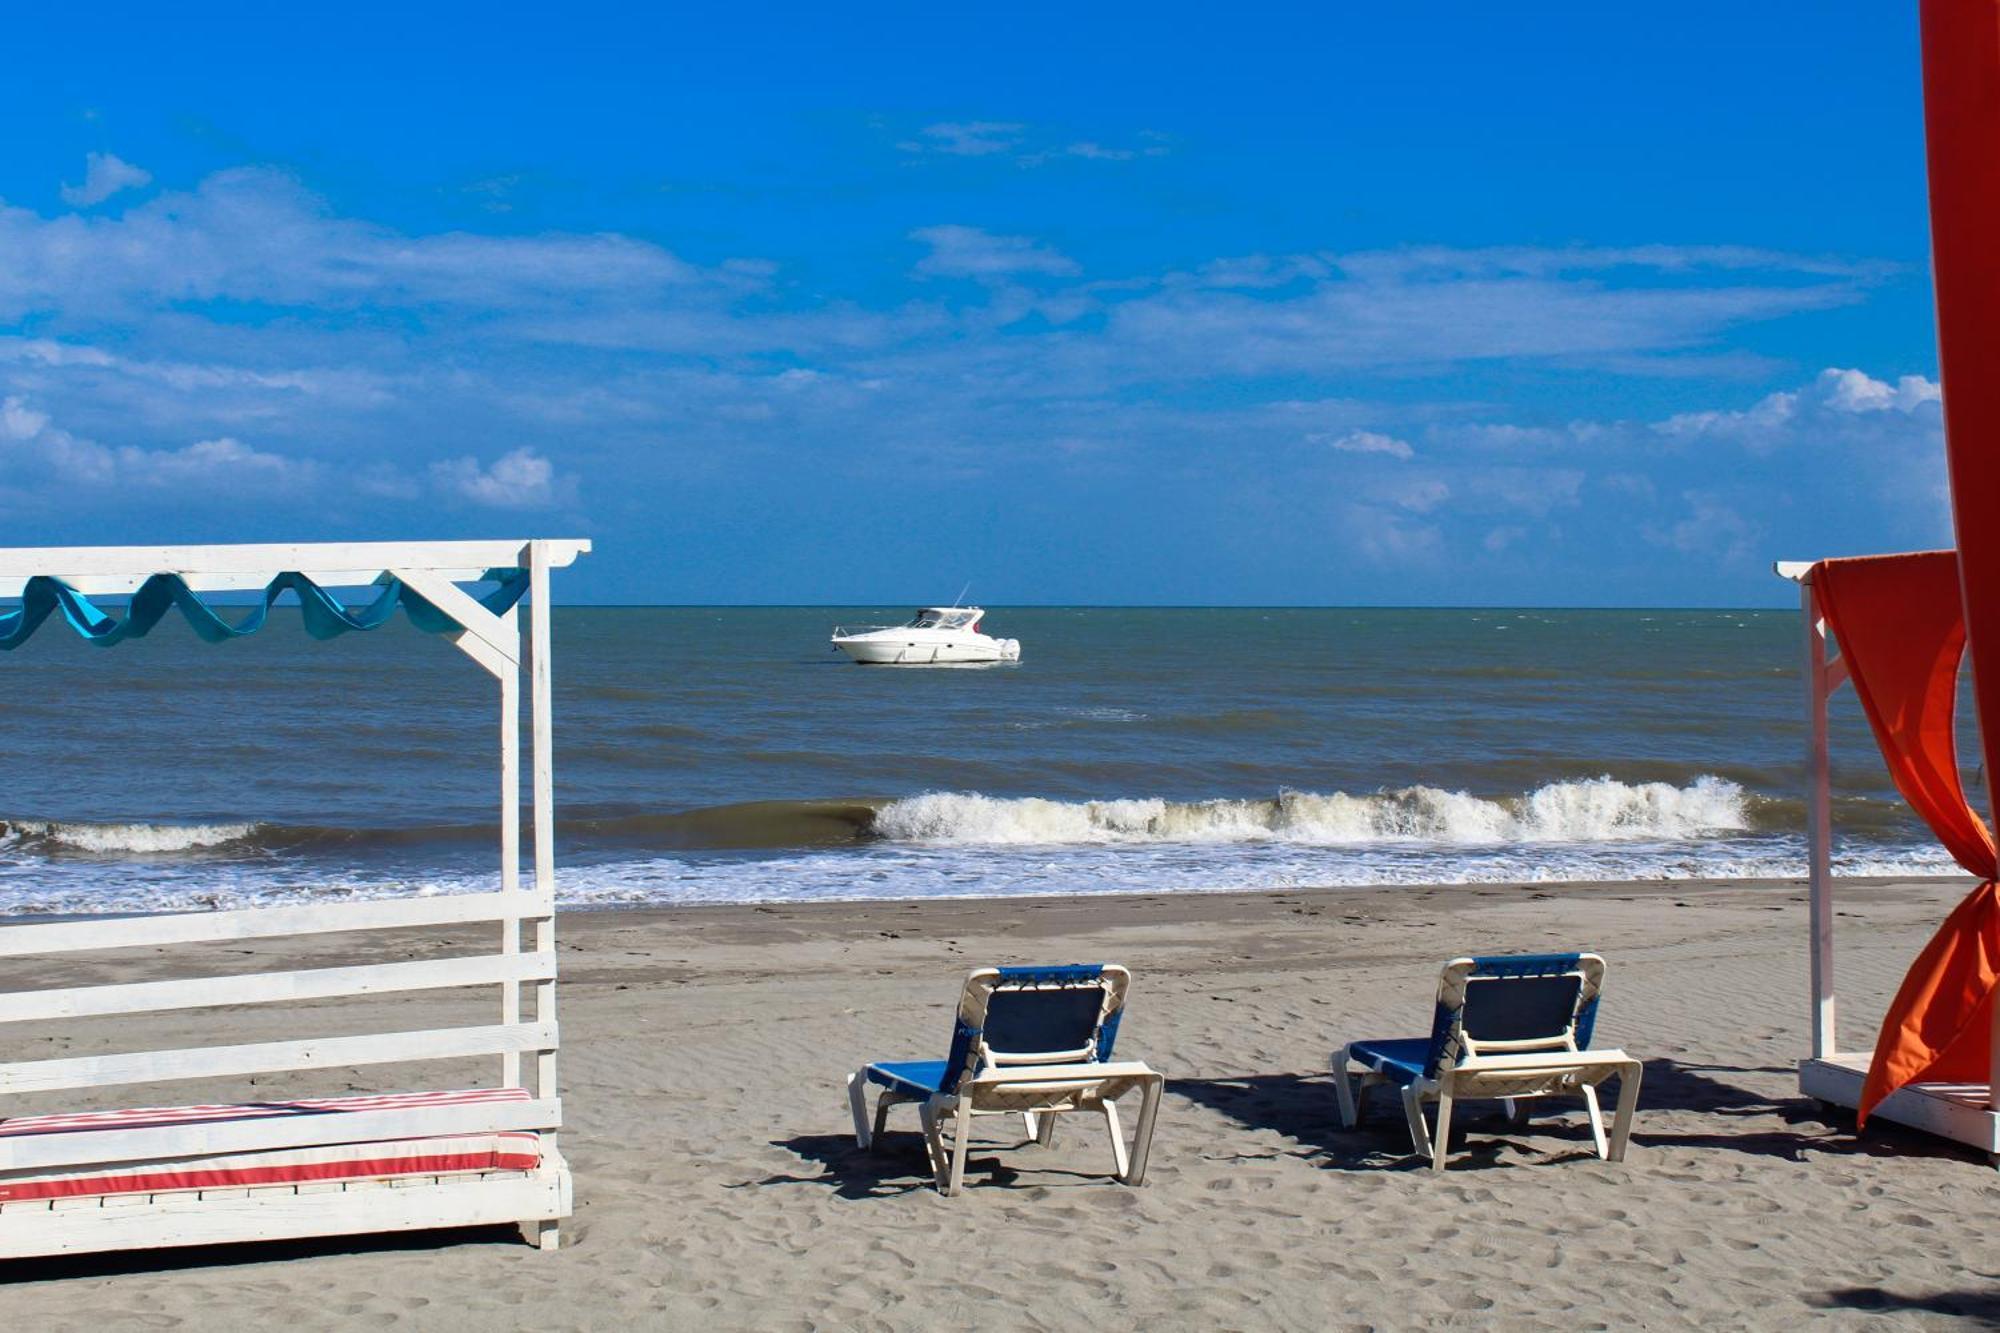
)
(502, 1151)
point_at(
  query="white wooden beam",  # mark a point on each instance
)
(490, 629)
(270, 1057)
(135, 932)
(144, 997)
(270, 1213)
(89, 1147)
(84, 561)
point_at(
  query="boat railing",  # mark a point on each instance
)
(848, 631)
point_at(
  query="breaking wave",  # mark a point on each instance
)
(1593, 810)
(133, 839)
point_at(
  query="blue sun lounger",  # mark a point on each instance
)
(1508, 1028)
(1029, 1041)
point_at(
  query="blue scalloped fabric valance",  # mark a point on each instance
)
(324, 615)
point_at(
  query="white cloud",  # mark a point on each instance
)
(1855, 391)
(969, 252)
(103, 176)
(1792, 417)
(1366, 442)
(256, 235)
(39, 452)
(1420, 496)
(1098, 152)
(1024, 145)
(969, 138)
(1711, 530)
(522, 479)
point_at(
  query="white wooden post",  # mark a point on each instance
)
(510, 838)
(542, 728)
(1819, 836)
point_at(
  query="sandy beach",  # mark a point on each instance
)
(717, 1185)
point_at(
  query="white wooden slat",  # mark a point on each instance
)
(33, 1152)
(141, 997)
(262, 923)
(461, 606)
(268, 1057)
(114, 585)
(270, 1214)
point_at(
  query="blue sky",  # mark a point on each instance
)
(1463, 304)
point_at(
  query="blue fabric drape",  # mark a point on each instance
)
(324, 615)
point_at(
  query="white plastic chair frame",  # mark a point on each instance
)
(1038, 1086)
(1510, 1071)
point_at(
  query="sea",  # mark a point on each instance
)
(727, 755)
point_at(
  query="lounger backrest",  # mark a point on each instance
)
(1036, 1015)
(1518, 1002)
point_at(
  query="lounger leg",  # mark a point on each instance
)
(1117, 1131)
(1045, 1128)
(1142, 1136)
(882, 1105)
(1028, 1123)
(1596, 1120)
(1441, 1141)
(960, 1148)
(857, 1102)
(542, 1233)
(933, 1144)
(1413, 1111)
(1628, 1102)
(1345, 1091)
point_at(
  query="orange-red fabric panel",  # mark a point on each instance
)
(1961, 52)
(1898, 622)
(1939, 1029)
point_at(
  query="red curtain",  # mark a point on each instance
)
(1899, 623)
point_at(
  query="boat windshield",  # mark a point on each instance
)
(932, 617)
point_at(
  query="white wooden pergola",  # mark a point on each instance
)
(498, 642)
(1966, 1112)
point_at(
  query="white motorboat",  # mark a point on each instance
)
(936, 636)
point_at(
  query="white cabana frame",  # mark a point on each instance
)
(526, 1045)
(1965, 1112)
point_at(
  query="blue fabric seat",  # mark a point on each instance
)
(916, 1078)
(1401, 1059)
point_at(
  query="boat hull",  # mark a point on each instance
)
(914, 650)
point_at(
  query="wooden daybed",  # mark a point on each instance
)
(116, 1167)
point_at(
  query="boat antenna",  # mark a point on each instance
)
(960, 600)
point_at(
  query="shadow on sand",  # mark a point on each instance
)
(1981, 1305)
(120, 1263)
(1302, 1108)
(896, 1165)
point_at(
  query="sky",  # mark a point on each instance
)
(1459, 304)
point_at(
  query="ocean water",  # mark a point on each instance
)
(726, 755)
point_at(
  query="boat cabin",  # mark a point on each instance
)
(947, 617)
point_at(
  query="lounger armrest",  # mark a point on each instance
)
(1527, 1061)
(1080, 1075)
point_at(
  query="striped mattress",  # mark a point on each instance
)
(458, 1153)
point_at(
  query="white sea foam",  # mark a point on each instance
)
(126, 839)
(916, 871)
(1593, 810)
